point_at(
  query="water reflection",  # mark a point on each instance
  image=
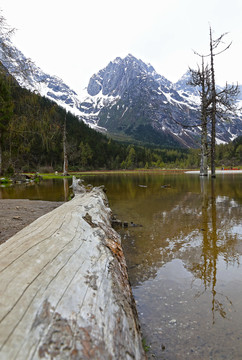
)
(184, 265)
(214, 244)
(50, 190)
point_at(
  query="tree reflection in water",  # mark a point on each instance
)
(212, 247)
(66, 188)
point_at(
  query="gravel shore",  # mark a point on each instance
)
(15, 214)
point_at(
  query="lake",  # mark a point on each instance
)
(183, 248)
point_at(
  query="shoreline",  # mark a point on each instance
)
(216, 172)
(16, 214)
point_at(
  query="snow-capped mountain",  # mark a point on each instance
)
(129, 99)
(34, 79)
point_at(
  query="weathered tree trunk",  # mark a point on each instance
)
(204, 135)
(204, 160)
(213, 110)
(65, 292)
(65, 163)
(204, 144)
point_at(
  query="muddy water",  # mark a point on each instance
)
(184, 254)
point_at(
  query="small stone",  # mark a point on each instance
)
(116, 222)
(16, 217)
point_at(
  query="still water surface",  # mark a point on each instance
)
(184, 261)
(49, 190)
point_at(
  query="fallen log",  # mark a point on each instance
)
(64, 289)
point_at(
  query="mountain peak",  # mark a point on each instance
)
(185, 77)
(130, 56)
(129, 97)
(113, 79)
(183, 84)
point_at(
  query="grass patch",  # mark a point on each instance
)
(47, 176)
(120, 172)
(4, 180)
(53, 176)
(145, 346)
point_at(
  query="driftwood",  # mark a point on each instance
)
(64, 288)
(77, 186)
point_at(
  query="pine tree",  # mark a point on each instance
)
(6, 111)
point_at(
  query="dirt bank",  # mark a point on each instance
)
(15, 214)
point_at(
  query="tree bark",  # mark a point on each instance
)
(65, 164)
(203, 160)
(213, 110)
(65, 292)
(204, 140)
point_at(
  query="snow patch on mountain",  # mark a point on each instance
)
(34, 79)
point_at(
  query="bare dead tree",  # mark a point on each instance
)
(221, 103)
(201, 79)
(213, 100)
(65, 163)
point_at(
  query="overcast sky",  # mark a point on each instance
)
(76, 38)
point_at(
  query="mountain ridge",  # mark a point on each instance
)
(130, 99)
(129, 94)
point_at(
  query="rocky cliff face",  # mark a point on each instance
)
(129, 98)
